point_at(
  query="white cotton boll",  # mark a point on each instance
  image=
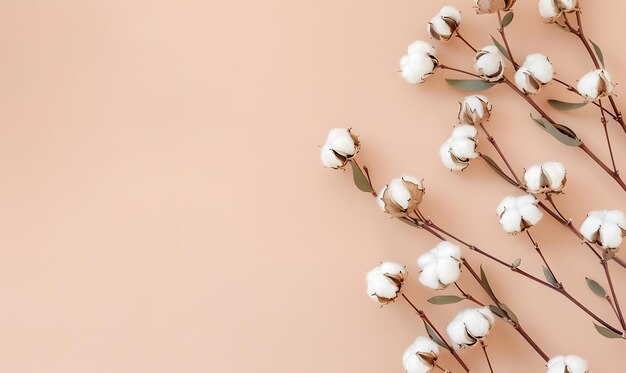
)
(605, 228)
(471, 325)
(441, 266)
(420, 62)
(384, 282)
(445, 23)
(401, 196)
(540, 66)
(569, 364)
(595, 84)
(489, 63)
(549, 177)
(460, 148)
(421, 356)
(448, 160)
(341, 146)
(475, 109)
(548, 9)
(518, 213)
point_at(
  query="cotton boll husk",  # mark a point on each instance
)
(476, 103)
(445, 23)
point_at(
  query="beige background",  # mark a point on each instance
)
(163, 208)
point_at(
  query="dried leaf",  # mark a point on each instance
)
(559, 132)
(501, 48)
(445, 299)
(598, 52)
(494, 166)
(606, 332)
(566, 106)
(510, 313)
(508, 18)
(550, 277)
(485, 283)
(360, 180)
(434, 336)
(470, 84)
(498, 311)
(596, 288)
(517, 262)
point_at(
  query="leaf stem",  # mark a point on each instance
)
(468, 296)
(466, 42)
(506, 43)
(424, 318)
(543, 258)
(484, 347)
(460, 71)
(620, 316)
(606, 133)
(495, 145)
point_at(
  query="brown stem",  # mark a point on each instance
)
(620, 316)
(424, 318)
(484, 347)
(560, 290)
(608, 299)
(516, 325)
(506, 43)
(543, 258)
(582, 145)
(466, 42)
(468, 296)
(606, 133)
(495, 145)
(459, 70)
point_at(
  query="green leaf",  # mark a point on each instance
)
(510, 313)
(470, 84)
(360, 180)
(566, 106)
(507, 19)
(498, 311)
(485, 283)
(608, 255)
(596, 288)
(558, 131)
(517, 262)
(434, 336)
(445, 299)
(501, 48)
(598, 52)
(606, 332)
(550, 277)
(494, 166)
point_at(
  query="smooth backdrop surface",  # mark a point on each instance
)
(163, 209)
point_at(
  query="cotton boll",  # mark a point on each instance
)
(441, 266)
(385, 281)
(401, 196)
(550, 10)
(420, 62)
(605, 228)
(421, 356)
(595, 84)
(445, 23)
(518, 213)
(535, 72)
(460, 148)
(547, 178)
(340, 147)
(569, 364)
(470, 326)
(489, 63)
(475, 109)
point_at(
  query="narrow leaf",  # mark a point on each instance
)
(445, 299)
(550, 277)
(507, 19)
(598, 52)
(566, 106)
(498, 311)
(470, 84)
(510, 313)
(434, 336)
(608, 255)
(560, 132)
(485, 283)
(494, 166)
(501, 48)
(596, 288)
(360, 180)
(606, 332)
(517, 262)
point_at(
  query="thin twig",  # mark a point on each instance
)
(506, 43)
(495, 145)
(606, 133)
(484, 347)
(466, 42)
(620, 316)
(445, 67)
(543, 258)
